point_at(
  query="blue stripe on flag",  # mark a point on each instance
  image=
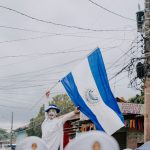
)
(99, 74)
(70, 86)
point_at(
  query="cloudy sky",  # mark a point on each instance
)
(30, 62)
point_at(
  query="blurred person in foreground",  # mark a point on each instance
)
(32, 143)
(93, 140)
(52, 127)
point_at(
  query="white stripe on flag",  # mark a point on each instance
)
(84, 80)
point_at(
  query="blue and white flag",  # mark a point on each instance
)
(88, 87)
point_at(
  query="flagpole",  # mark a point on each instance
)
(11, 130)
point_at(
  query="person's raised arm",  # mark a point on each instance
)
(70, 115)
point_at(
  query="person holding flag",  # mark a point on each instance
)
(52, 127)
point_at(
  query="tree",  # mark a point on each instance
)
(3, 134)
(63, 103)
(34, 128)
(138, 99)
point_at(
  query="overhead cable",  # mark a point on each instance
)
(46, 32)
(110, 11)
(49, 22)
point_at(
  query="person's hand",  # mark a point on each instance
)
(76, 111)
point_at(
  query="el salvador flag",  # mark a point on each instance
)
(88, 87)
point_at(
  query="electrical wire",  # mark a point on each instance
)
(52, 35)
(48, 22)
(55, 53)
(14, 86)
(126, 53)
(26, 39)
(68, 49)
(13, 107)
(23, 87)
(125, 62)
(50, 89)
(52, 53)
(125, 67)
(100, 6)
(47, 68)
(45, 32)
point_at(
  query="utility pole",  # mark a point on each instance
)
(146, 31)
(11, 138)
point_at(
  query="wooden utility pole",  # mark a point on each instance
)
(11, 138)
(147, 79)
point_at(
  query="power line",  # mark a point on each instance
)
(13, 107)
(14, 88)
(21, 74)
(47, 68)
(24, 87)
(23, 29)
(20, 87)
(126, 53)
(25, 39)
(29, 80)
(68, 49)
(121, 57)
(53, 53)
(51, 35)
(45, 32)
(119, 72)
(49, 22)
(50, 89)
(41, 54)
(110, 11)
(118, 65)
(125, 67)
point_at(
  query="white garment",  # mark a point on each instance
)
(52, 131)
(85, 141)
(27, 143)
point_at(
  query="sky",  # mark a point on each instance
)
(30, 58)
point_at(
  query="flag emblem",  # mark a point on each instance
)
(91, 96)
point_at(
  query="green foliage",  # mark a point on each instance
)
(63, 103)
(138, 99)
(4, 134)
(34, 128)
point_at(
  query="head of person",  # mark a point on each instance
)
(96, 146)
(34, 146)
(52, 111)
